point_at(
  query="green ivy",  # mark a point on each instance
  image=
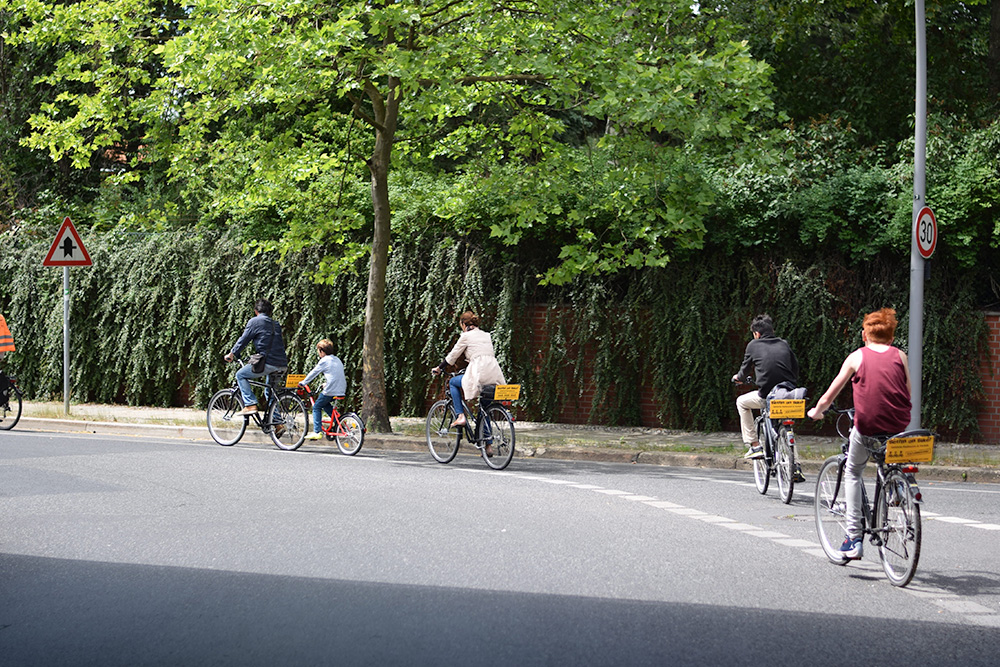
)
(152, 318)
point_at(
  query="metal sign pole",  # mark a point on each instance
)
(66, 339)
(917, 263)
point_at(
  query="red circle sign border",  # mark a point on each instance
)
(925, 252)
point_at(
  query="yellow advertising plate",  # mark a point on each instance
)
(787, 409)
(293, 380)
(507, 392)
(915, 449)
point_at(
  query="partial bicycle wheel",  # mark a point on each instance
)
(761, 471)
(496, 436)
(784, 461)
(288, 421)
(897, 521)
(225, 423)
(441, 440)
(831, 509)
(10, 411)
(355, 429)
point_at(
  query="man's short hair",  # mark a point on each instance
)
(326, 345)
(763, 325)
(264, 307)
(881, 326)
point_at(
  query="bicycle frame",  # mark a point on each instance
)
(327, 424)
(275, 395)
(468, 429)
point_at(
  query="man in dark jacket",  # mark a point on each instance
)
(265, 334)
(773, 362)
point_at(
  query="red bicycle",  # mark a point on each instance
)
(347, 430)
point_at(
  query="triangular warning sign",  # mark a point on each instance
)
(67, 249)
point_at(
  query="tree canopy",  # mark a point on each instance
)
(582, 138)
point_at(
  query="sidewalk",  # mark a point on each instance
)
(952, 461)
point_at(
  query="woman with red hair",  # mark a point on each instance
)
(881, 380)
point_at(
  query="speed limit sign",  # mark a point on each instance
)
(926, 231)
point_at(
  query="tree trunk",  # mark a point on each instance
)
(374, 407)
(994, 53)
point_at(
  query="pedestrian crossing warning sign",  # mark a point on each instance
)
(67, 249)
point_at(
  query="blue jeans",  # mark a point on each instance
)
(322, 403)
(245, 374)
(455, 385)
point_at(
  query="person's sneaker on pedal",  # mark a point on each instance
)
(852, 548)
(314, 436)
(249, 410)
(797, 476)
(279, 430)
(459, 421)
(755, 452)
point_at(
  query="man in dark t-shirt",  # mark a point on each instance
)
(772, 362)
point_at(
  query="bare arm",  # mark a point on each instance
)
(850, 367)
(906, 367)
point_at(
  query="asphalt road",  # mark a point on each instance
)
(136, 550)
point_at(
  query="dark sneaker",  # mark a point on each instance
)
(755, 452)
(852, 549)
(797, 475)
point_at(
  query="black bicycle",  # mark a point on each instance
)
(491, 430)
(776, 437)
(10, 402)
(284, 418)
(893, 523)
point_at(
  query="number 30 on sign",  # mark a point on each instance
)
(926, 231)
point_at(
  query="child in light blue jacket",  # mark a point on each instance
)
(336, 385)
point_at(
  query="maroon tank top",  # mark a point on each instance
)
(881, 399)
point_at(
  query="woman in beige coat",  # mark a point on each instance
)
(475, 345)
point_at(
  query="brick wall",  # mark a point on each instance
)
(989, 414)
(576, 409)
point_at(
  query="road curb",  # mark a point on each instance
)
(534, 450)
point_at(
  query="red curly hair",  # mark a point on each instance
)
(880, 326)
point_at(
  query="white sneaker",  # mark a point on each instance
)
(755, 452)
(314, 436)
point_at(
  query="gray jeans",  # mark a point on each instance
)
(857, 457)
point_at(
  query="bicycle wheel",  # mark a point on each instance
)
(761, 469)
(897, 521)
(442, 441)
(288, 421)
(10, 411)
(225, 423)
(352, 425)
(831, 509)
(496, 436)
(784, 461)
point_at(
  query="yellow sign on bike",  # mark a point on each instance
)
(914, 449)
(507, 392)
(787, 409)
(293, 380)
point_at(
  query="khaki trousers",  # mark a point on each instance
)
(745, 403)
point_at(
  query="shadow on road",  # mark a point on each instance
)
(71, 612)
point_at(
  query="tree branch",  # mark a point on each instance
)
(359, 112)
